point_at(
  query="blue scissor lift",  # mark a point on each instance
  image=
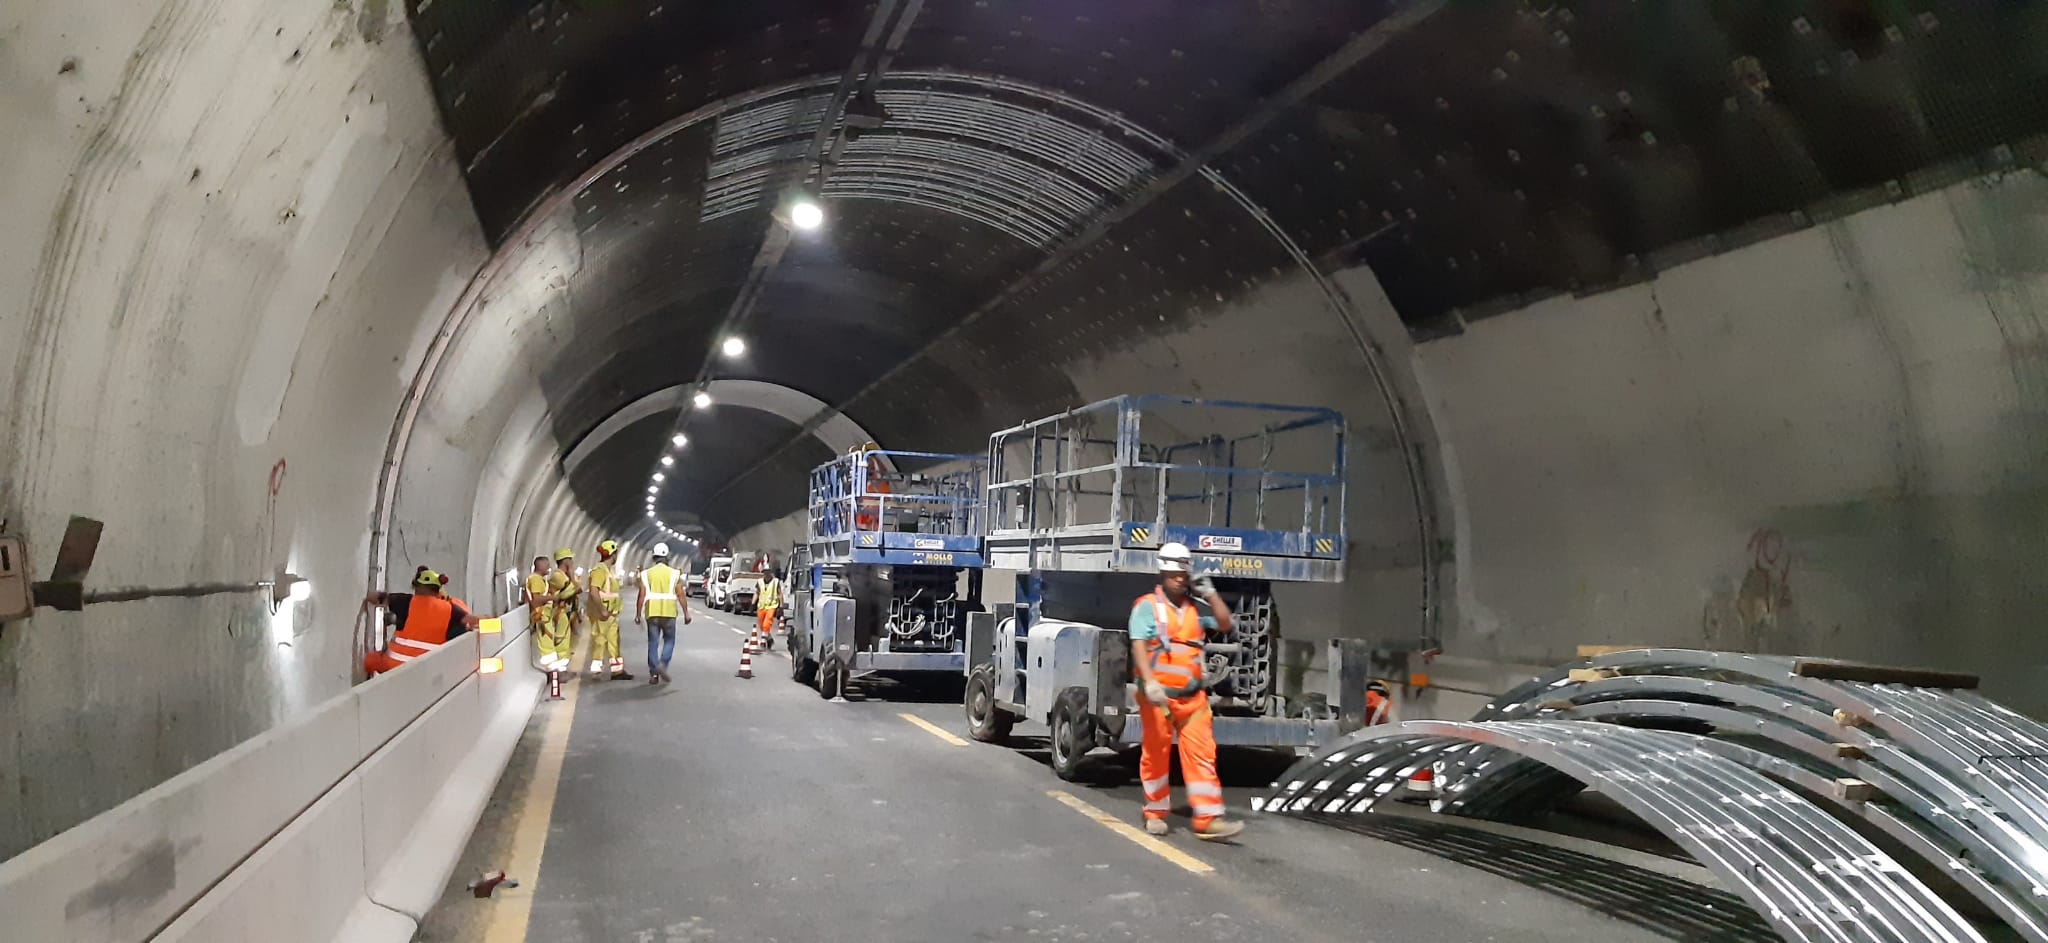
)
(1079, 504)
(892, 569)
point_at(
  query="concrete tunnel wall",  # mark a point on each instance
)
(1828, 442)
(236, 226)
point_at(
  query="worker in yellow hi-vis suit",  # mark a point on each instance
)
(540, 609)
(564, 588)
(606, 602)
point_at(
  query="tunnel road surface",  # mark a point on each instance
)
(715, 808)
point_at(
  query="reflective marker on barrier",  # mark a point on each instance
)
(490, 626)
(490, 666)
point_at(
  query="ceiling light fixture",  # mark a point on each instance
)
(806, 214)
(702, 399)
(668, 460)
(660, 477)
(733, 347)
(679, 440)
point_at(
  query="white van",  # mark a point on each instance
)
(717, 574)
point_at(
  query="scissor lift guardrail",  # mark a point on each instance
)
(1065, 497)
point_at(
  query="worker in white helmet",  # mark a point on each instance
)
(661, 601)
(1167, 632)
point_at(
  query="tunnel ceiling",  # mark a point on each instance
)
(1490, 153)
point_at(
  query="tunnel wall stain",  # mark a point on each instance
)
(226, 220)
(1831, 442)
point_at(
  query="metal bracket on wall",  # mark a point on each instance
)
(65, 589)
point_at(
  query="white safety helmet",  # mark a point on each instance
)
(661, 550)
(1174, 558)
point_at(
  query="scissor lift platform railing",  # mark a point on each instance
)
(862, 511)
(1100, 488)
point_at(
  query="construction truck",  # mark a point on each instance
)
(1079, 504)
(889, 571)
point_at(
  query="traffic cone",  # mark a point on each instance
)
(554, 685)
(746, 663)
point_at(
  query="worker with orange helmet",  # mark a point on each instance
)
(606, 602)
(1167, 634)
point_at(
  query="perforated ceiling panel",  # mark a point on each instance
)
(1490, 153)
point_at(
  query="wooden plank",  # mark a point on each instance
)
(1855, 790)
(1583, 675)
(1827, 670)
(1850, 751)
(1595, 651)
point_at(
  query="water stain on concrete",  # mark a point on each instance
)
(143, 879)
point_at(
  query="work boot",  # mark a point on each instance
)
(664, 675)
(1219, 829)
(1157, 826)
(651, 679)
(622, 675)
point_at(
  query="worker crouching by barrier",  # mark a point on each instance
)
(426, 621)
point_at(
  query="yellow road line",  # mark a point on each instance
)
(1187, 861)
(934, 729)
(509, 918)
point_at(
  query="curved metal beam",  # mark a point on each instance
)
(1807, 873)
(839, 434)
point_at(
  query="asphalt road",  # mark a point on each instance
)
(715, 808)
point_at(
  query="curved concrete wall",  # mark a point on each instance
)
(234, 225)
(1830, 442)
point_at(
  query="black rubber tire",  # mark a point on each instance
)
(831, 678)
(802, 670)
(985, 721)
(1073, 734)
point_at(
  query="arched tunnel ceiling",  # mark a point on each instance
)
(1484, 154)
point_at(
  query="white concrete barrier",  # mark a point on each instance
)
(341, 825)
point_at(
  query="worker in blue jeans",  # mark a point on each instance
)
(661, 601)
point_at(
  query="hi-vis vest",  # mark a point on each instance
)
(1177, 649)
(770, 596)
(558, 581)
(601, 580)
(661, 581)
(425, 628)
(537, 584)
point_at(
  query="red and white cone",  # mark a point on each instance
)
(554, 685)
(746, 662)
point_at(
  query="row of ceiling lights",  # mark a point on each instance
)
(802, 213)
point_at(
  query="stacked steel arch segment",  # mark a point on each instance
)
(1932, 773)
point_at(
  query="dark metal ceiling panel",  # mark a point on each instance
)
(533, 93)
(1183, 68)
(1499, 151)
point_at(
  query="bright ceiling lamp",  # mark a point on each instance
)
(806, 214)
(702, 399)
(650, 514)
(679, 440)
(660, 477)
(668, 460)
(733, 347)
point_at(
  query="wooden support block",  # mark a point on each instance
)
(1850, 751)
(1595, 651)
(1828, 670)
(1855, 790)
(1846, 719)
(1583, 675)
(1557, 705)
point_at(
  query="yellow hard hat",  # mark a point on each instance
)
(564, 554)
(426, 577)
(608, 547)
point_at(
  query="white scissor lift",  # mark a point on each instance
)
(1078, 505)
